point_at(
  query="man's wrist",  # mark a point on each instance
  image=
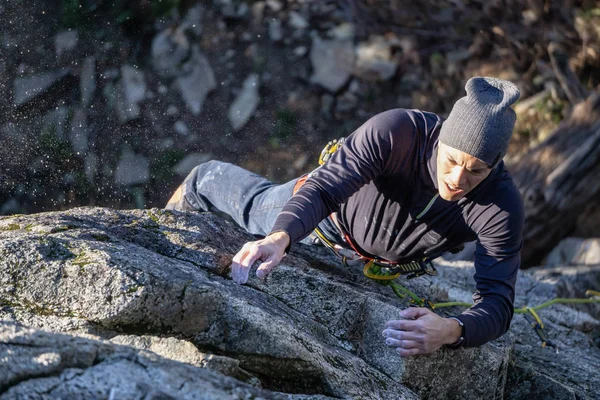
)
(282, 239)
(457, 332)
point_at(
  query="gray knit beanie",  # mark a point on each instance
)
(481, 123)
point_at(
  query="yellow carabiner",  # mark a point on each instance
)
(592, 293)
(536, 316)
(367, 270)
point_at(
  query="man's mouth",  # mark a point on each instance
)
(453, 189)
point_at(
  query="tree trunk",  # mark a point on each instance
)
(558, 178)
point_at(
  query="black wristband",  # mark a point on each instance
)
(462, 334)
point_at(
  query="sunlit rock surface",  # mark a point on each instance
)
(158, 280)
(39, 364)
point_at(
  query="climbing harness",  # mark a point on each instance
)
(385, 272)
(376, 268)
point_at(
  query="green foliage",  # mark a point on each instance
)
(153, 217)
(54, 147)
(552, 110)
(161, 167)
(80, 13)
(161, 8)
(60, 228)
(132, 289)
(101, 237)
(72, 13)
(54, 250)
(11, 227)
(285, 126)
(588, 13)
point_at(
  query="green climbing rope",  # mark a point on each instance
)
(402, 292)
(530, 312)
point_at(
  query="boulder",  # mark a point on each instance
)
(575, 251)
(181, 128)
(30, 87)
(245, 103)
(169, 50)
(65, 41)
(87, 80)
(571, 363)
(332, 62)
(197, 83)
(274, 5)
(297, 21)
(374, 59)
(39, 364)
(158, 280)
(131, 93)
(184, 166)
(132, 169)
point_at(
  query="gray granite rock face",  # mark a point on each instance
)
(534, 369)
(38, 364)
(158, 280)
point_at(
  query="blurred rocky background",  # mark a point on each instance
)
(112, 103)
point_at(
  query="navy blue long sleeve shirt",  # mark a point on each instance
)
(383, 177)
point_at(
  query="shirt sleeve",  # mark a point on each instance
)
(364, 155)
(497, 262)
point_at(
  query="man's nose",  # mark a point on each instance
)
(458, 176)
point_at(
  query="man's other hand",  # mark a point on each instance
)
(269, 250)
(421, 332)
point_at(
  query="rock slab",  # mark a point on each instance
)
(313, 329)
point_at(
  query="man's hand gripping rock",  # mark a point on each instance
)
(420, 332)
(269, 250)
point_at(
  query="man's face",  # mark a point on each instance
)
(458, 172)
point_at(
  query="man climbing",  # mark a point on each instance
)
(403, 188)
